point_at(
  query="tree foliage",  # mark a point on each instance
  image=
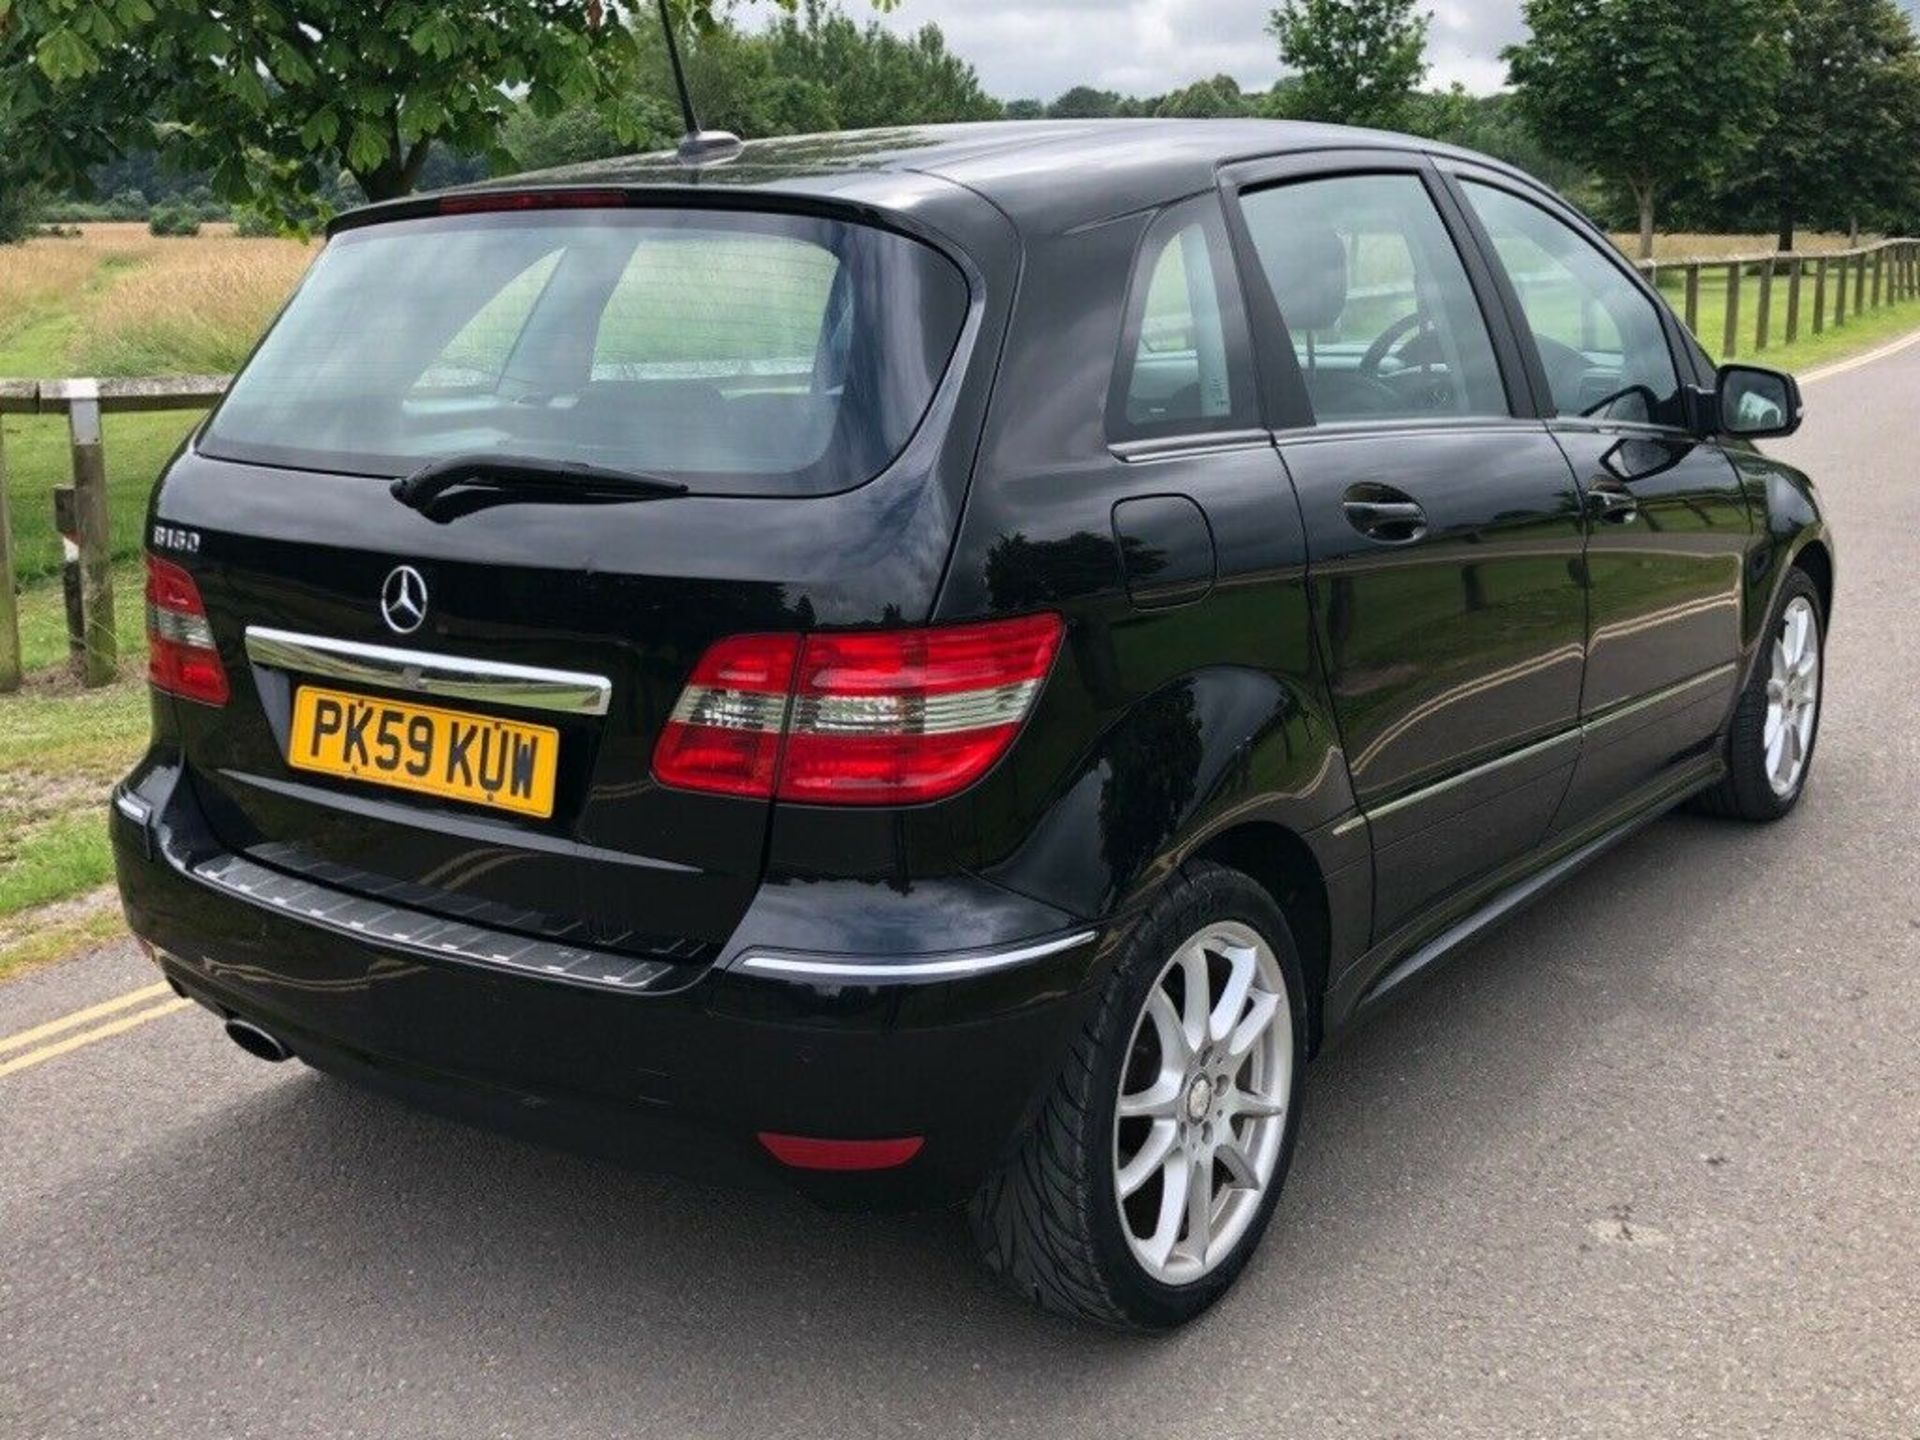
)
(1844, 142)
(1652, 95)
(275, 99)
(1359, 62)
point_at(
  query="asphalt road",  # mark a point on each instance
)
(1644, 1162)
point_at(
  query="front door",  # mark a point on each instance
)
(1444, 534)
(1669, 524)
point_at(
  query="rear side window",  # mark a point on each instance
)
(1183, 362)
(1375, 299)
(740, 353)
(1599, 336)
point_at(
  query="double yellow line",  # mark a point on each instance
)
(57, 1037)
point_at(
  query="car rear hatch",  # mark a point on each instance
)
(637, 428)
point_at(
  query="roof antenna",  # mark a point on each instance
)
(697, 146)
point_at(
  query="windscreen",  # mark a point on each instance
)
(736, 352)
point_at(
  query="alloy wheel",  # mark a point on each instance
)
(1203, 1099)
(1793, 696)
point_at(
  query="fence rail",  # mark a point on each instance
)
(1883, 273)
(82, 508)
(1842, 282)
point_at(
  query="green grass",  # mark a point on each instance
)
(54, 860)
(1858, 333)
(38, 459)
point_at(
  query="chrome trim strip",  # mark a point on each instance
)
(451, 677)
(1499, 762)
(943, 967)
(1647, 702)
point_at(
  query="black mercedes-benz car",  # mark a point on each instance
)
(944, 664)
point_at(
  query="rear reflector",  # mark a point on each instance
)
(181, 658)
(888, 717)
(803, 1152)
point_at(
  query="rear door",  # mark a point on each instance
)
(453, 706)
(1669, 516)
(1444, 529)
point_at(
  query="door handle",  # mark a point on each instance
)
(1394, 521)
(1611, 502)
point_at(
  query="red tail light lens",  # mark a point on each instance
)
(892, 717)
(181, 658)
(724, 734)
(901, 716)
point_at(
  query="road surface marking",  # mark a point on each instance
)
(81, 1017)
(87, 1037)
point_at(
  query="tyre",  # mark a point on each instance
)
(1777, 720)
(1158, 1153)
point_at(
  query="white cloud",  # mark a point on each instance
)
(1038, 48)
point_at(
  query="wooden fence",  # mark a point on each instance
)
(1822, 290)
(82, 509)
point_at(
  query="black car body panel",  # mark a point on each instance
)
(1400, 735)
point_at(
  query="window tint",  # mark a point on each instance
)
(1181, 369)
(745, 353)
(1375, 299)
(1599, 336)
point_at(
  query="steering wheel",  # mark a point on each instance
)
(1377, 352)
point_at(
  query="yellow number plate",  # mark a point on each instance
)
(449, 753)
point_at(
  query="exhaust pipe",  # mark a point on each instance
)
(257, 1042)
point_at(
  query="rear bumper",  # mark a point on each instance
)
(680, 1074)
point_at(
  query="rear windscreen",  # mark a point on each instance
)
(739, 353)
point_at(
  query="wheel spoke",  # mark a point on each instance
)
(1159, 1098)
(1151, 1156)
(1198, 1001)
(1260, 1012)
(1770, 730)
(1174, 1047)
(1259, 1107)
(1200, 1207)
(1776, 750)
(1243, 963)
(1175, 1176)
(1238, 1165)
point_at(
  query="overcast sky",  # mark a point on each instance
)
(1037, 48)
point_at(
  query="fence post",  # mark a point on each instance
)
(90, 512)
(1860, 284)
(1794, 267)
(1840, 295)
(1879, 257)
(1820, 295)
(9, 596)
(1693, 296)
(1763, 312)
(1732, 340)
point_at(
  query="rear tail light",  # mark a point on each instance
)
(181, 658)
(889, 717)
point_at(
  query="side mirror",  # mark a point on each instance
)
(1755, 402)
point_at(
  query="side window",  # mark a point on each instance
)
(1599, 337)
(1182, 367)
(1375, 299)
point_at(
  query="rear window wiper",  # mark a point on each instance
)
(529, 475)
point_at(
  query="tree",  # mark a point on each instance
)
(1845, 135)
(871, 77)
(275, 101)
(1025, 110)
(1650, 94)
(1358, 61)
(1083, 102)
(1219, 97)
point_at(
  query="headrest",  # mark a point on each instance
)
(1309, 277)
